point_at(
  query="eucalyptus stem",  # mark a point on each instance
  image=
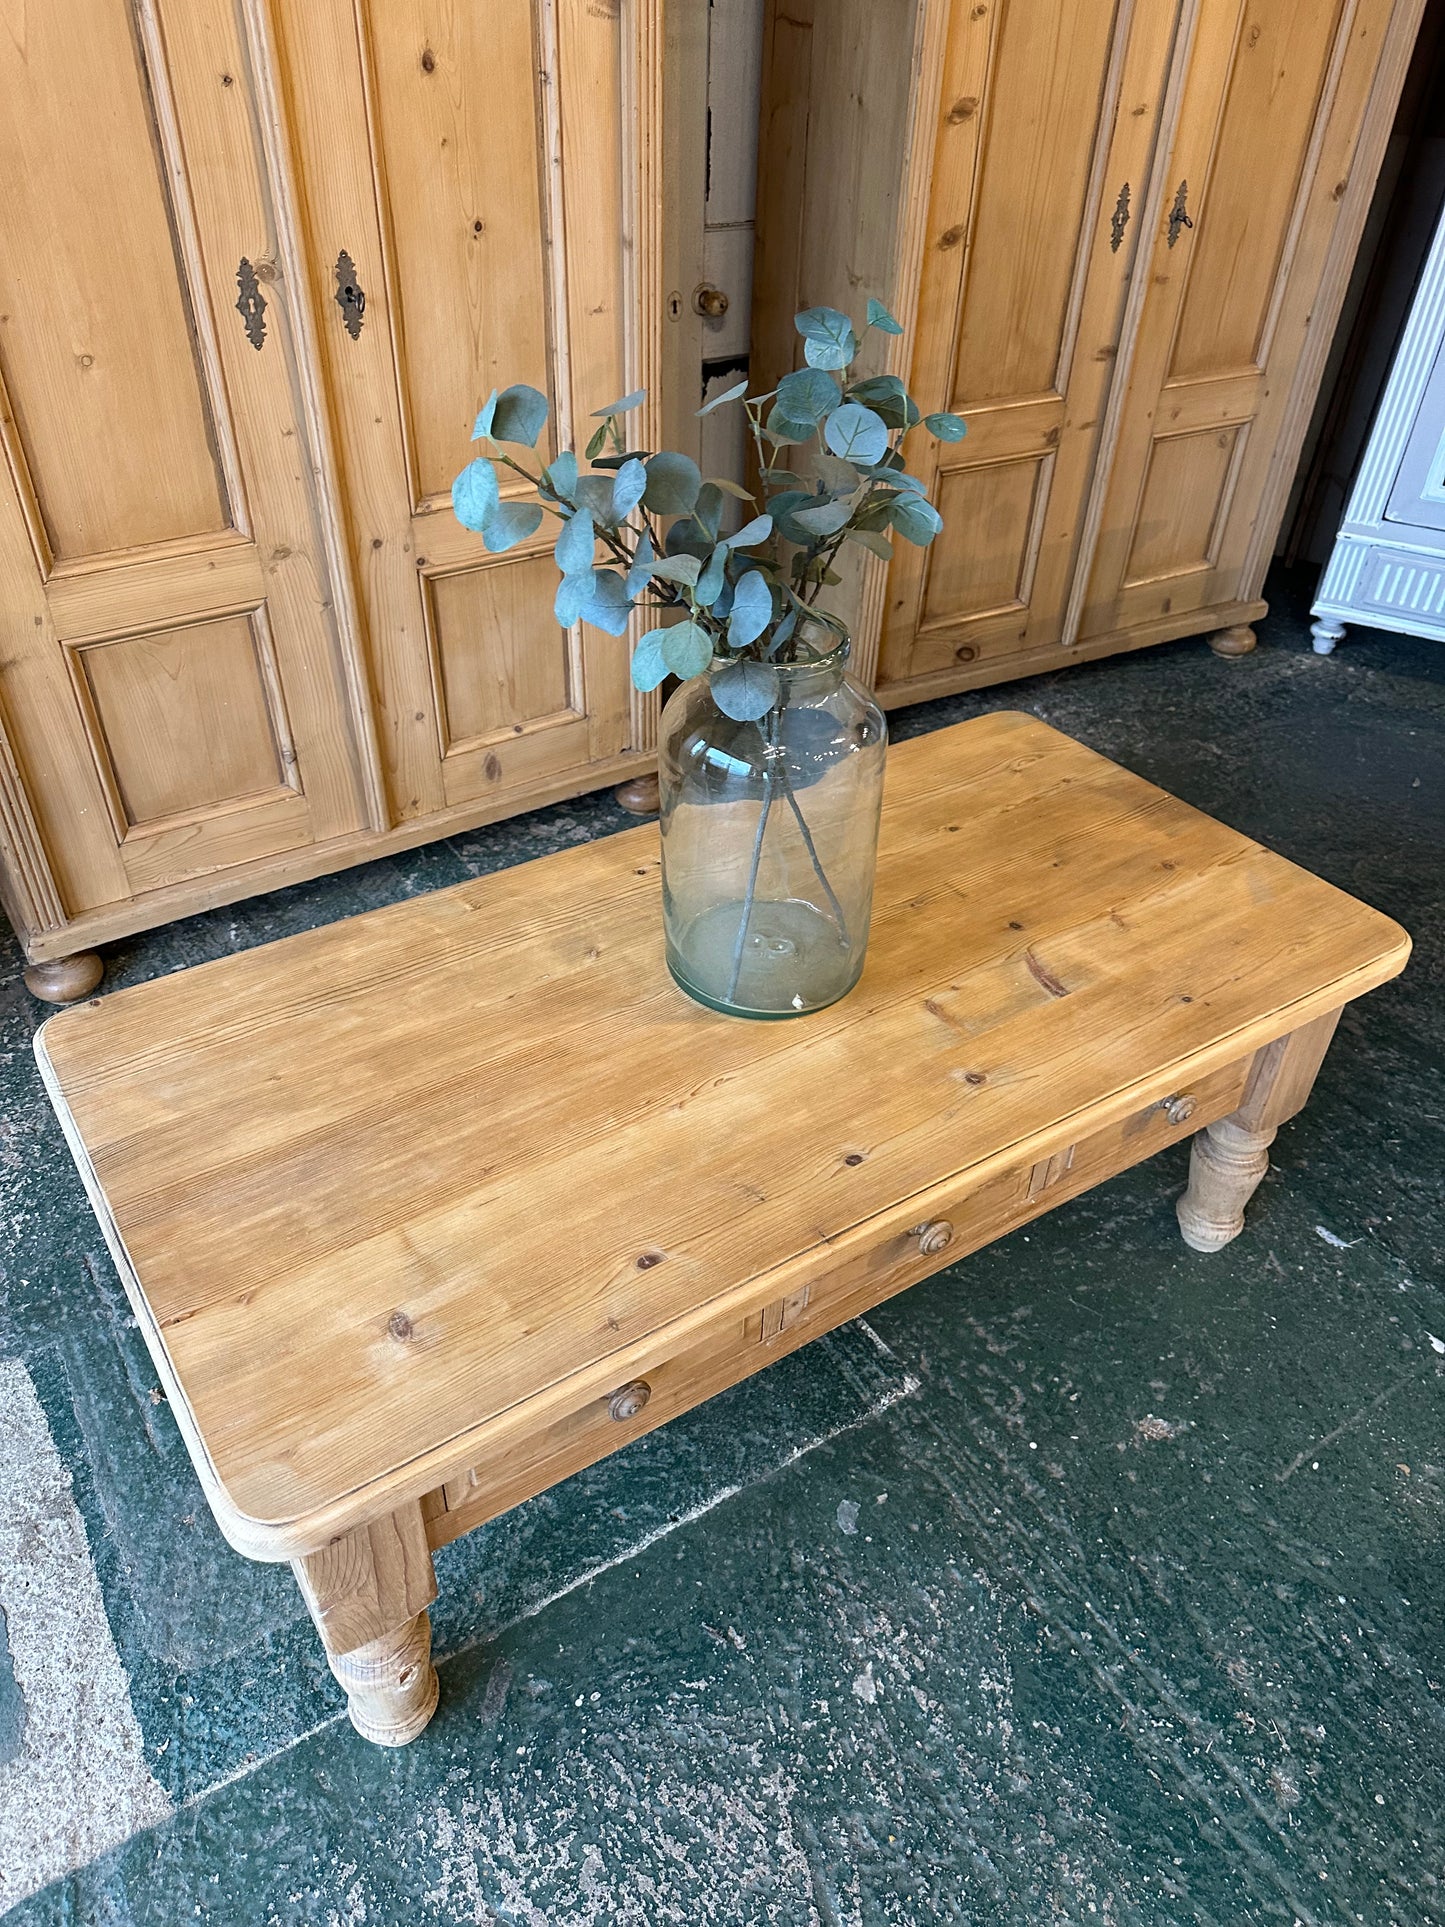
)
(750, 896)
(818, 870)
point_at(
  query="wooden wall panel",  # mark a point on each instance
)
(185, 720)
(502, 659)
(456, 142)
(96, 343)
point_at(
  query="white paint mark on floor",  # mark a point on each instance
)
(1340, 1244)
(79, 1784)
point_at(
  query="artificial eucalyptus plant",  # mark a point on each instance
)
(749, 599)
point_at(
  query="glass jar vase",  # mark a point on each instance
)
(769, 840)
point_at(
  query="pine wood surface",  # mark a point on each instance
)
(396, 1193)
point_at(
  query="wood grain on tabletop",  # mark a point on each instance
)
(381, 1181)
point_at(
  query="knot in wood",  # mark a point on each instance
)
(399, 1326)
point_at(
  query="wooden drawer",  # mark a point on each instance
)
(864, 1266)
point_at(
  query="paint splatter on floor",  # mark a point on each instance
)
(1091, 1581)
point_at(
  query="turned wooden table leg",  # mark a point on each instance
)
(368, 1593)
(1229, 1158)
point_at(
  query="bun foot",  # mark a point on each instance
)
(639, 794)
(65, 980)
(1233, 642)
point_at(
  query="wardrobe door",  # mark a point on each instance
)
(467, 172)
(1034, 173)
(173, 688)
(1206, 433)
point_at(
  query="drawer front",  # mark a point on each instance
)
(866, 1266)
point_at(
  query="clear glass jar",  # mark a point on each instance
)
(769, 840)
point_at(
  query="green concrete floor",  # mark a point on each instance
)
(1091, 1580)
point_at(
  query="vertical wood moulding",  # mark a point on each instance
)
(194, 289)
(326, 494)
(559, 327)
(1155, 195)
(24, 485)
(643, 228)
(1360, 179)
(32, 899)
(930, 45)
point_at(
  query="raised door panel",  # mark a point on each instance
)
(1260, 158)
(174, 687)
(1043, 144)
(469, 170)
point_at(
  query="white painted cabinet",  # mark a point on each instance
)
(1387, 570)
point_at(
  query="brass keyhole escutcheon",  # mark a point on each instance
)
(628, 1400)
(350, 296)
(933, 1237)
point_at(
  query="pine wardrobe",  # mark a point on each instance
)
(1117, 233)
(259, 262)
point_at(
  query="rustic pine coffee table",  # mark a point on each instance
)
(424, 1211)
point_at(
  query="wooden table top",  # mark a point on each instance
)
(372, 1186)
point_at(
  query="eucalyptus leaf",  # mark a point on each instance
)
(808, 395)
(782, 507)
(783, 478)
(751, 533)
(594, 493)
(874, 543)
(784, 631)
(881, 319)
(709, 583)
(678, 568)
(836, 475)
(562, 475)
(628, 488)
(576, 544)
(641, 572)
(573, 594)
(510, 523)
(752, 609)
(856, 433)
(609, 605)
(686, 648)
(482, 427)
(475, 495)
(623, 407)
(828, 337)
(649, 665)
(825, 519)
(780, 428)
(707, 509)
(948, 428)
(597, 442)
(735, 489)
(886, 396)
(728, 394)
(520, 416)
(744, 690)
(915, 519)
(673, 481)
(684, 537)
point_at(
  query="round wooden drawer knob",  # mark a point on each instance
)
(629, 1400)
(935, 1237)
(1179, 1110)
